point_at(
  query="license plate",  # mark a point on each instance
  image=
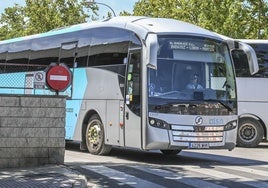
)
(198, 145)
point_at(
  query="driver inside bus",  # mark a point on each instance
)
(194, 84)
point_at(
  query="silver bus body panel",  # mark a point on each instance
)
(101, 97)
(153, 138)
(252, 98)
(182, 132)
(147, 25)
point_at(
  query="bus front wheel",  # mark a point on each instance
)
(95, 137)
(250, 133)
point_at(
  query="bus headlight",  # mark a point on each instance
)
(158, 123)
(230, 125)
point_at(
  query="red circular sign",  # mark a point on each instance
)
(58, 77)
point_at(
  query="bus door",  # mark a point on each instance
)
(133, 100)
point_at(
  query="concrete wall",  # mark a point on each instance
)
(31, 130)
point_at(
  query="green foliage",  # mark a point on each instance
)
(12, 23)
(43, 15)
(234, 18)
(125, 13)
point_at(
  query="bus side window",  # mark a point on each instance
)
(240, 63)
(262, 55)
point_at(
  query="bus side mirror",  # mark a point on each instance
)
(248, 50)
(152, 48)
(251, 56)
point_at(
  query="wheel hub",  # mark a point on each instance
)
(94, 134)
(248, 132)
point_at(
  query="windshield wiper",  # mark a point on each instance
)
(222, 103)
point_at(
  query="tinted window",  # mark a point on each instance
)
(68, 53)
(262, 55)
(43, 52)
(98, 46)
(17, 58)
(108, 46)
(2, 61)
(240, 63)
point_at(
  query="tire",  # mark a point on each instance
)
(250, 133)
(171, 152)
(95, 137)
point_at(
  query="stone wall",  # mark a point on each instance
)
(32, 130)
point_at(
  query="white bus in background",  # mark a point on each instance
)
(252, 96)
(129, 83)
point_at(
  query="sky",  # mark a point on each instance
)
(117, 5)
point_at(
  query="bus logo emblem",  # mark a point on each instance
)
(198, 120)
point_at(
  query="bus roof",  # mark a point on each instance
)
(138, 24)
(253, 41)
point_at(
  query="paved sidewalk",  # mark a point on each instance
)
(51, 176)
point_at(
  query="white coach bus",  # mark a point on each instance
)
(139, 82)
(252, 96)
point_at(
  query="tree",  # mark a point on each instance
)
(258, 10)
(12, 23)
(43, 15)
(234, 18)
(227, 17)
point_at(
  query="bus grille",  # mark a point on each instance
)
(182, 133)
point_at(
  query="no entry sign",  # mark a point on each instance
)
(58, 77)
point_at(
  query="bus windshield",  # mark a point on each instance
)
(192, 73)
